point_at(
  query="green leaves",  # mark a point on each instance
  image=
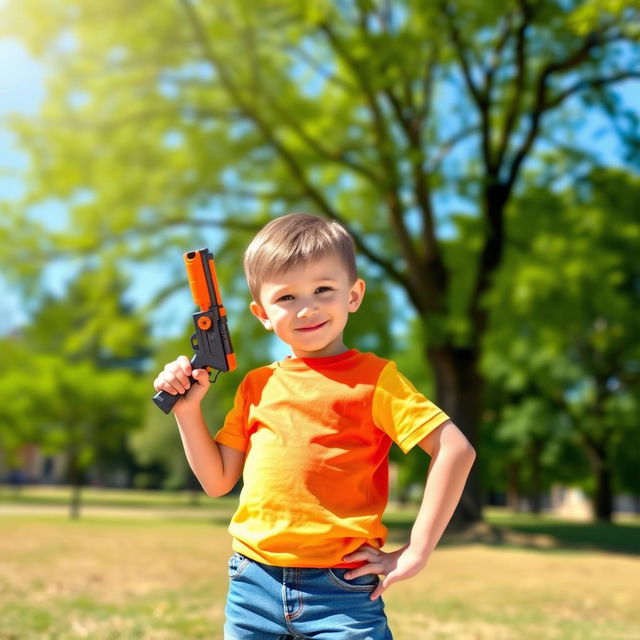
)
(193, 123)
(564, 322)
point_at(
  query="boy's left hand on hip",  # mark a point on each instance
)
(395, 566)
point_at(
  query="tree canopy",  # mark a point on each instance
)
(409, 122)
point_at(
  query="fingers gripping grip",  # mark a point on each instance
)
(165, 400)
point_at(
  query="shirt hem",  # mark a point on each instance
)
(231, 441)
(424, 430)
(249, 553)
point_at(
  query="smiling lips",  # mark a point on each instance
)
(314, 328)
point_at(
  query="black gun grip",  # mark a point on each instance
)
(165, 400)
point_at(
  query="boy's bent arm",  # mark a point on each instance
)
(452, 457)
(216, 466)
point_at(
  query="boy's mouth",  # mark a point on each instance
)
(314, 328)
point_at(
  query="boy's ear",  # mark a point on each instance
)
(356, 294)
(259, 313)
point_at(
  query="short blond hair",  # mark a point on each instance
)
(292, 240)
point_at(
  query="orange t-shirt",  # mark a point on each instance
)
(317, 433)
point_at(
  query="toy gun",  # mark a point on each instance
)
(211, 341)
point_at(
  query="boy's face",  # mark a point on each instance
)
(308, 306)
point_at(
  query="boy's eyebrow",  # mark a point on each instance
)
(279, 291)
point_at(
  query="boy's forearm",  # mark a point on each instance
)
(446, 478)
(202, 451)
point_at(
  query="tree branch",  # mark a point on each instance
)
(433, 268)
(590, 83)
(460, 49)
(496, 56)
(423, 111)
(314, 144)
(320, 70)
(411, 283)
(540, 104)
(448, 145)
(281, 150)
(480, 96)
(430, 266)
(516, 103)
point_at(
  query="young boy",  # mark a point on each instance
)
(311, 435)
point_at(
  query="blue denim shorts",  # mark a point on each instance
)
(277, 603)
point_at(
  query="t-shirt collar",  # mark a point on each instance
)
(315, 363)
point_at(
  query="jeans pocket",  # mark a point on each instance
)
(237, 564)
(367, 582)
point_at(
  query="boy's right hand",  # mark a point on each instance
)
(174, 379)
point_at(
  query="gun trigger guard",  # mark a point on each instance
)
(210, 371)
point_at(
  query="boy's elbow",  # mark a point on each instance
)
(214, 488)
(216, 491)
(222, 487)
(462, 447)
(458, 444)
(468, 453)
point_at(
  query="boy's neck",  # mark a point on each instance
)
(318, 355)
(327, 352)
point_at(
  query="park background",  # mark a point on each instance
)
(484, 156)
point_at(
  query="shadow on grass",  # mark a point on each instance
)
(500, 528)
(541, 533)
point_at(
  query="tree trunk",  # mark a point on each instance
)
(603, 500)
(599, 456)
(535, 499)
(459, 384)
(459, 393)
(604, 495)
(513, 487)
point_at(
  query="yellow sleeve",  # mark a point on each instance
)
(234, 432)
(401, 411)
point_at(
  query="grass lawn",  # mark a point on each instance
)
(114, 576)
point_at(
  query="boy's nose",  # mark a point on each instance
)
(307, 311)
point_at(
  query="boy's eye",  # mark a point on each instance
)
(288, 296)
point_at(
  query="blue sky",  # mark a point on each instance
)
(22, 91)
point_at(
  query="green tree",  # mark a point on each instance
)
(564, 363)
(85, 393)
(85, 412)
(17, 406)
(221, 115)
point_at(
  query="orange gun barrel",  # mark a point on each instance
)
(201, 290)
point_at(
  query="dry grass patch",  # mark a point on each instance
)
(158, 580)
(476, 592)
